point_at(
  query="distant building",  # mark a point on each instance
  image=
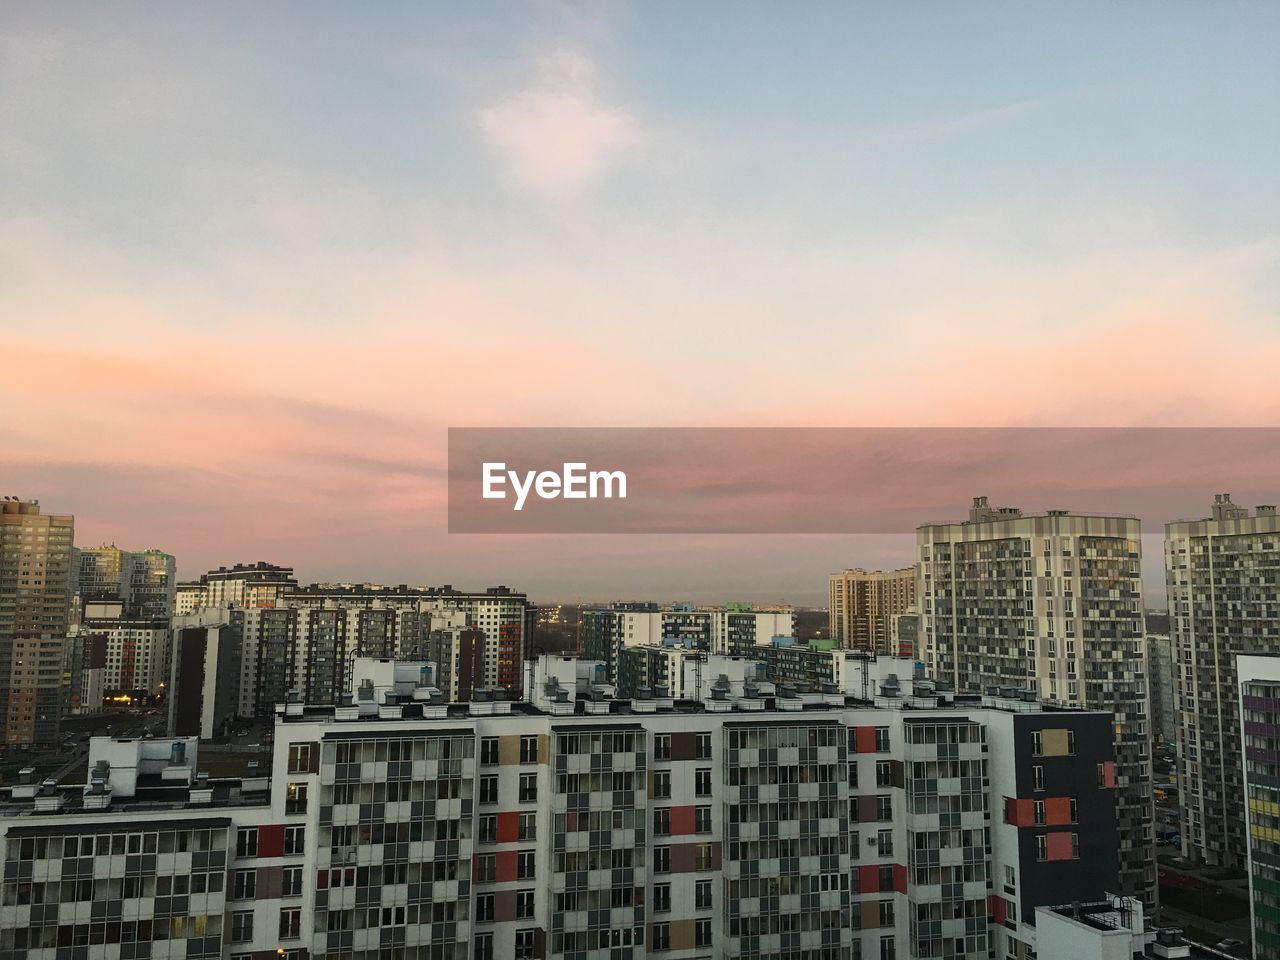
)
(731, 631)
(188, 597)
(904, 634)
(204, 679)
(248, 585)
(145, 582)
(1164, 714)
(862, 605)
(1223, 580)
(135, 652)
(35, 611)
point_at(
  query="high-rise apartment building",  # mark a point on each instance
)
(742, 824)
(1052, 602)
(35, 606)
(145, 582)
(1223, 580)
(862, 605)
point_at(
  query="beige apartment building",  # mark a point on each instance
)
(863, 604)
(35, 595)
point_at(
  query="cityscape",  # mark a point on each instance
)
(640, 480)
(990, 751)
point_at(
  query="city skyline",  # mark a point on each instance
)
(268, 265)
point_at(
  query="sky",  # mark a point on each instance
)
(255, 259)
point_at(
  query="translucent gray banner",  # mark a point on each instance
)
(542, 480)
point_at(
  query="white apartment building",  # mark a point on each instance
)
(1223, 579)
(1052, 602)
(744, 823)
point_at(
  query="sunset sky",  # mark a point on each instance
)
(255, 259)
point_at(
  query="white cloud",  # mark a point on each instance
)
(558, 136)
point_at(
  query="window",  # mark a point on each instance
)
(888, 951)
(702, 782)
(702, 820)
(247, 842)
(484, 908)
(702, 933)
(488, 751)
(524, 904)
(295, 841)
(882, 739)
(1037, 743)
(244, 885)
(703, 747)
(482, 946)
(662, 746)
(1071, 742)
(242, 926)
(661, 936)
(1037, 777)
(486, 868)
(661, 859)
(526, 864)
(662, 898)
(1075, 846)
(1042, 848)
(290, 923)
(527, 827)
(702, 857)
(662, 821)
(295, 798)
(1010, 879)
(662, 784)
(528, 787)
(853, 772)
(488, 825)
(884, 773)
(529, 749)
(702, 895)
(291, 882)
(1039, 809)
(526, 944)
(300, 758)
(1074, 817)
(886, 913)
(884, 843)
(884, 808)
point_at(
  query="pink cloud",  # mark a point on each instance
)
(558, 135)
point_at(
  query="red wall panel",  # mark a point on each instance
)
(1058, 845)
(271, 840)
(1057, 811)
(682, 821)
(508, 827)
